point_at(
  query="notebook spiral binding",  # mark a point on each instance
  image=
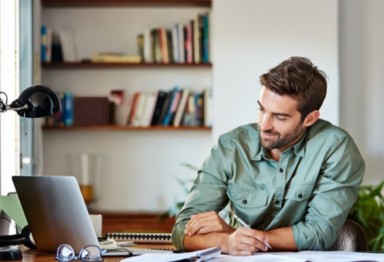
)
(142, 238)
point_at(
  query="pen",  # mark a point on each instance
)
(247, 226)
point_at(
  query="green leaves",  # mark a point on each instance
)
(368, 210)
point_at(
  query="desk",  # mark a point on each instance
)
(35, 256)
(30, 255)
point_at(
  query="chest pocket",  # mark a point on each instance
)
(299, 193)
(247, 199)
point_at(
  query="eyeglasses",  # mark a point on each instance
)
(90, 253)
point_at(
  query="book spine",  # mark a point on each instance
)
(206, 38)
(68, 109)
(43, 44)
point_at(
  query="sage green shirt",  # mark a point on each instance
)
(311, 188)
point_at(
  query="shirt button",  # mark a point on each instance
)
(277, 202)
(245, 201)
(281, 170)
(300, 195)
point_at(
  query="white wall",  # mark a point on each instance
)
(139, 170)
(252, 36)
(362, 80)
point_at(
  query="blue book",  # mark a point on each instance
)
(68, 102)
(170, 107)
(43, 49)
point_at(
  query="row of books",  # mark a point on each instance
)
(57, 46)
(175, 107)
(182, 43)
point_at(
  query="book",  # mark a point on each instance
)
(148, 57)
(139, 109)
(163, 40)
(188, 43)
(57, 54)
(115, 57)
(165, 108)
(180, 38)
(181, 108)
(46, 44)
(140, 45)
(205, 39)
(147, 110)
(173, 102)
(68, 109)
(160, 100)
(196, 39)
(156, 49)
(175, 44)
(133, 108)
(68, 45)
(165, 238)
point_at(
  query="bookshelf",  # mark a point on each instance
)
(126, 128)
(120, 3)
(80, 65)
(126, 150)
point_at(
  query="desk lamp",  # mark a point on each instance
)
(35, 101)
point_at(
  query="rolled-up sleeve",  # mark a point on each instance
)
(208, 193)
(334, 194)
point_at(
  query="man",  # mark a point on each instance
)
(292, 177)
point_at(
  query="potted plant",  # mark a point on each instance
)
(368, 211)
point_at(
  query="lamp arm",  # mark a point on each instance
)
(8, 107)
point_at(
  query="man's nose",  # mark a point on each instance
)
(265, 122)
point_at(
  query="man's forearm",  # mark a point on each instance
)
(213, 239)
(279, 239)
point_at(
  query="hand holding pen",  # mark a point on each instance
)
(247, 226)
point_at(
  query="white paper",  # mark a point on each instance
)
(166, 257)
(304, 256)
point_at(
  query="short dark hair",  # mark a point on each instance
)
(299, 78)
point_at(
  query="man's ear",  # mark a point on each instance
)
(311, 118)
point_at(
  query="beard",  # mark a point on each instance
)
(280, 141)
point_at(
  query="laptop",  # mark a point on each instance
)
(55, 211)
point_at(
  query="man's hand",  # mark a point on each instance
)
(246, 242)
(208, 229)
(207, 222)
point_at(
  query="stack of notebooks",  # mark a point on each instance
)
(142, 238)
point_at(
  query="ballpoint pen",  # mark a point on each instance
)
(247, 226)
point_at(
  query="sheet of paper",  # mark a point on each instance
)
(167, 257)
(304, 256)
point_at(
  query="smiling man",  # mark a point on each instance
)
(290, 179)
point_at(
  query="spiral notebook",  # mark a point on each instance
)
(142, 238)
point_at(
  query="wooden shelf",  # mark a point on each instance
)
(135, 222)
(80, 65)
(126, 128)
(119, 3)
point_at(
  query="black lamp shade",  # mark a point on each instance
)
(40, 100)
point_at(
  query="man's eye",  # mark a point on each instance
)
(281, 118)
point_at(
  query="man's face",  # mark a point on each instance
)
(279, 121)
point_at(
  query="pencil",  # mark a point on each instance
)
(247, 226)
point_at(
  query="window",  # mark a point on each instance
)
(9, 84)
